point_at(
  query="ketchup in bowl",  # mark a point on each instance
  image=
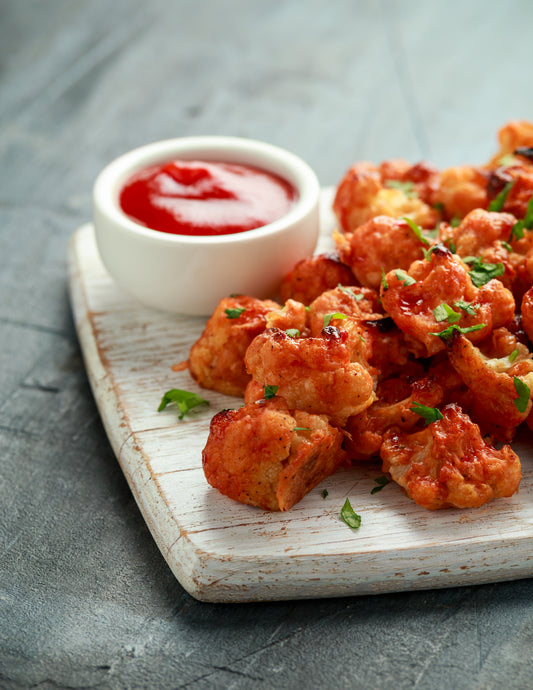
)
(205, 198)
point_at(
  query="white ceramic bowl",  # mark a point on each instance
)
(189, 274)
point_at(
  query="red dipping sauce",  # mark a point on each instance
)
(205, 198)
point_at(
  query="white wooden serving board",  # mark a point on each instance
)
(223, 551)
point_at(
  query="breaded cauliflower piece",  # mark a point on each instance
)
(412, 299)
(448, 464)
(292, 316)
(365, 431)
(216, 360)
(382, 243)
(393, 189)
(312, 374)
(267, 456)
(526, 309)
(314, 275)
(347, 308)
(514, 134)
(492, 381)
(461, 189)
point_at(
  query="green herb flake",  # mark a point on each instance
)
(381, 483)
(481, 273)
(455, 222)
(270, 392)
(407, 187)
(293, 332)
(448, 332)
(325, 493)
(416, 229)
(467, 307)
(507, 246)
(403, 277)
(302, 428)
(235, 312)
(507, 160)
(445, 313)
(513, 355)
(523, 392)
(428, 414)
(498, 203)
(349, 516)
(517, 231)
(185, 401)
(348, 291)
(328, 318)
(384, 279)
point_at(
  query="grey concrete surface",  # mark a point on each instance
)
(86, 600)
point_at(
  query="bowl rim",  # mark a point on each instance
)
(212, 148)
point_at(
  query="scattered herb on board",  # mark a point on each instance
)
(325, 493)
(349, 516)
(380, 482)
(185, 401)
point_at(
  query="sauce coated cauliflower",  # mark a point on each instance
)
(411, 346)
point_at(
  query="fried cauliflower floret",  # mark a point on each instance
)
(461, 189)
(519, 177)
(480, 230)
(312, 374)
(526, 309)
(448, 464)
(412, 298)
(216, 360)
(496, 406)
(365, 431)
(346, 308)
(292, 316)
(314, 275)
(392, 189)
(513, 135)
(267, 456)
(382, 243)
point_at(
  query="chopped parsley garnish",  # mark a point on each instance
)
(428, 414)
(517, 231)
(325, 493)
(235, 312)
(384, 279)
(455, 222)
(467, 307)
(445, 313)
(350, 292)
(328, 318)
(416, 229)
(301, 428)
(523, 392)
(507, 246)
(349, 515)
(292, 332)
(498, 202)
(513, 355)
(481, 273)
(381, 482)
(184, 400)
(403, 277)
(448, 332)
(507, 160)
(407, 187)
(270, 392)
